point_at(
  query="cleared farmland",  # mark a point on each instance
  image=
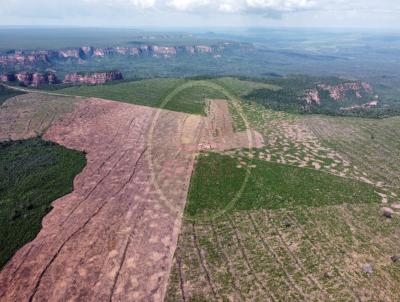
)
(372, 145)
(29, 115)
(183, 95)
(153, 93)
(304, 254)
(114, 236)
(308, 224)
(289, 237)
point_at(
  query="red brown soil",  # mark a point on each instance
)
(29, 115)
(220, 135)
(113, 237)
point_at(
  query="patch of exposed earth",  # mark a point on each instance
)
(219, 131)
(113, 237)
(29, 115)
(290, 140)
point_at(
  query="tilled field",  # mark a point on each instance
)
(113, 237)
(273, 244)
(29, 115)
(220, 134)
(307, 254)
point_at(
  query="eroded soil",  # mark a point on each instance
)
(219, 130)
(114, 236)
(29, 115)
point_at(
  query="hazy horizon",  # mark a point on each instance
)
(359, 14)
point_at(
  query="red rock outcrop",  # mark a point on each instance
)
(24, 58)
(93, 78)
(204, 49)
(34, 79)
(32, 57)
(7, 77)
(165, 51)
(338, 92)
(312, 97)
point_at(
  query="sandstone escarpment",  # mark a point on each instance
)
(339, 93)
(80, 54)
(32, 79)
(93, 78)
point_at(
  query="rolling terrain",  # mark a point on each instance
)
(195, 191)
(295, 220)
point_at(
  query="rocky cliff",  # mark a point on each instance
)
(93, 78)
(34, 57)
(32, 79)
(341, 92)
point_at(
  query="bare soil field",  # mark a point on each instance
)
(307, 254)
(343, 252)
(220, 134)
(114, 236)
(28, 115)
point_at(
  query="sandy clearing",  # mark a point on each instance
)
(114, 236)
(28, 115)
(219, 133)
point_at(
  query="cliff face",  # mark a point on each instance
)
(25, 58)
(359, 93)
(32, 57)
(34, 79)
(339, 92)
(93, 78)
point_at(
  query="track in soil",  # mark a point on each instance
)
(114, 236)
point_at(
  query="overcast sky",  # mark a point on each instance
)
(202, 13)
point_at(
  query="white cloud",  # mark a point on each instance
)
(242, 6)
(189, 5)
(159, 12)
(222, 6)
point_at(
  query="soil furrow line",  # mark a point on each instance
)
(247, 261)
(38, 282)
(123, 258)
(202, 261)
(227, 261)
(180, 272)
(133, 172)
(311, 280)
(94, 188)
(346, 282)
(291, 284)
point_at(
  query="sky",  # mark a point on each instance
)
(202, 13)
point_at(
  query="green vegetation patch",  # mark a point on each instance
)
(153, 93)
(291, 97)
(168, 93)
(242, 87)
(192, 99)
(218, 179)
(6, 93)
(145, 92)
(33, 173)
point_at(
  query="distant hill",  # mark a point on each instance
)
(330, 95)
